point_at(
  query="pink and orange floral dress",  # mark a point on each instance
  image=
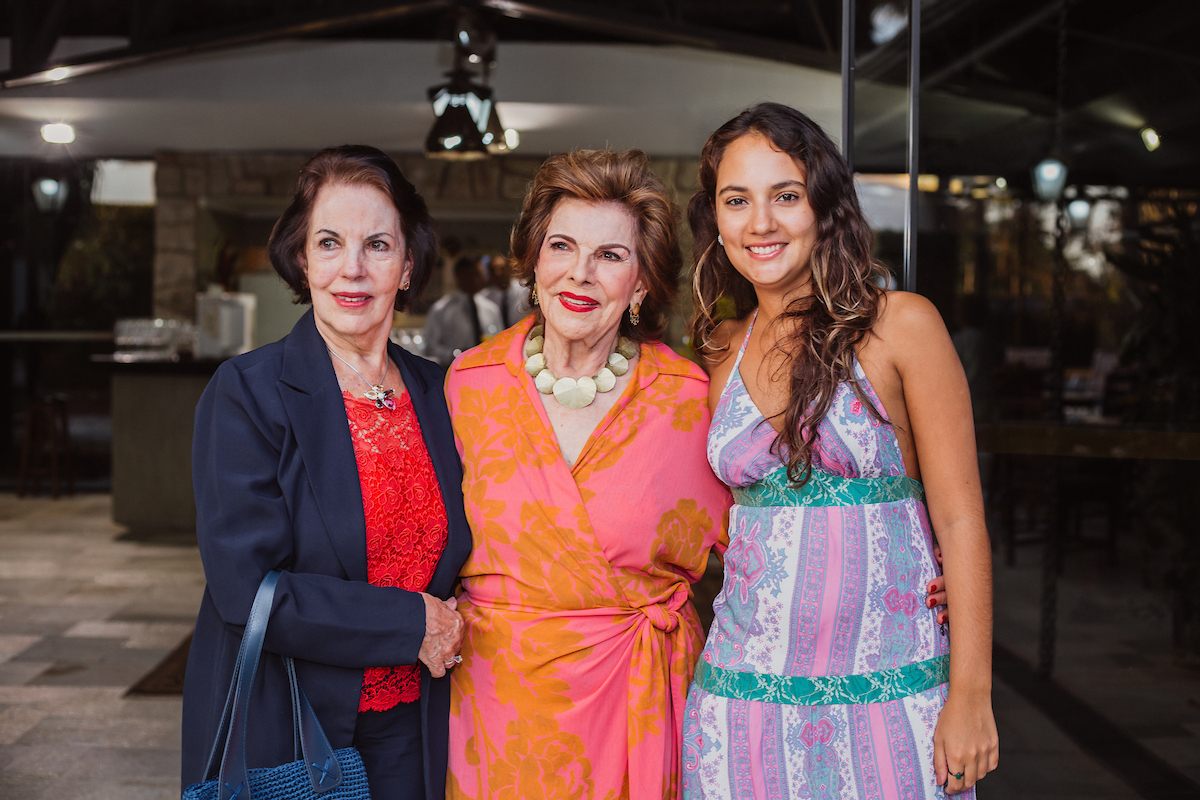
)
(581, 639)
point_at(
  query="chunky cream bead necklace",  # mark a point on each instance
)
(575, 392)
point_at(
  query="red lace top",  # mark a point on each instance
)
(406, 522)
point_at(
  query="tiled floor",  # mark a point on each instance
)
(84, 613)
(1113, 650)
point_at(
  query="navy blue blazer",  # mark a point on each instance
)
(277, 486)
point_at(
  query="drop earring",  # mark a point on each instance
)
(720, 241)
(634, 311)
(534, 299)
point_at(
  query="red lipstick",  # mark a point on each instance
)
(577, 303)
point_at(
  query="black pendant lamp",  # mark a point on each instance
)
(463, 110)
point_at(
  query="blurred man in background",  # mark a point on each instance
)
(463, 318)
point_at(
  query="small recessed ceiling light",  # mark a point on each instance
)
(58, 73)
(58, 133)
(1001, 183)
(1150, 139)
(512, 138)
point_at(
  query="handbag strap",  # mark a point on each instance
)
(324, 771)
(232, 784)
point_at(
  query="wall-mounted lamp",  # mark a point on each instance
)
(49, 194)
(1077, 211)
(58, 133)
(1049, 179)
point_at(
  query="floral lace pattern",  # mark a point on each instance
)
(406, 522)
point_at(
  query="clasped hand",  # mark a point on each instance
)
(444, 633)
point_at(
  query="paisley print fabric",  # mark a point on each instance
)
(817, 591)
(581, 637)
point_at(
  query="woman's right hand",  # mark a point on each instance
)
(444, 633)
(936, 592)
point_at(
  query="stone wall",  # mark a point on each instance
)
(187, 181)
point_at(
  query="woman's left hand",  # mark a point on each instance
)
(444, 633)
(965, 743)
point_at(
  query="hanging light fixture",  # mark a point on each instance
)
(468, 126)
(1049, 179)
(463, 109)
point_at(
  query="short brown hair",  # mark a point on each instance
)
(606, 176)
(355, 165)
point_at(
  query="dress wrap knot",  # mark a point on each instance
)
(666, 616)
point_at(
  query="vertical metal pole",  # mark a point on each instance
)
(848, 82)
(911, 210)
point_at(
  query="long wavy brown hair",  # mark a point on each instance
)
(820, 331)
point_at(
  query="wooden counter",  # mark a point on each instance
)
(153, 409)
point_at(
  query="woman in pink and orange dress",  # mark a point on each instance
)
(592, 507)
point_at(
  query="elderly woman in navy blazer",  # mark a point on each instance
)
(329, 455)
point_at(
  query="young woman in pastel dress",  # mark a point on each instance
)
(842, 423)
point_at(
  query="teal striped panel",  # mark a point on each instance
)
(874, 687)
(824, 489)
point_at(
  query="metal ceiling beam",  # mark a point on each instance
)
(895, 52)
(640, 27)
(818, 21)
(305, 24)
(36, 25)
(1164, 53)
(995, 43)
(150, 19)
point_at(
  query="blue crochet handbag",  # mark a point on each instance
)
(319, 771)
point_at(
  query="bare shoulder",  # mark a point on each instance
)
(725, 340)
(907, 317)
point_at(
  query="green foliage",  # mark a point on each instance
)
(107, 270)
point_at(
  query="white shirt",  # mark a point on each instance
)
(513, 299)
(448, 328)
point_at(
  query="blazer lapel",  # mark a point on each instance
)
(430, 406)
(309, 389)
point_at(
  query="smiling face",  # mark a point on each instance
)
(587, 272)
(764, 215)
(355, 261)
